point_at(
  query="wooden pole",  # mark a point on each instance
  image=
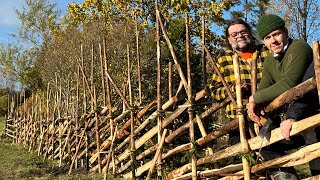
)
(316, 59)
(175, 59)
(254, 86)
(118, 90)
(203, 53)
(97, 129)
(138, 57)
(191, 101)
(243, 140)
(158, 152)
(84, 104)
(215, 68)
(106, 67)
(159, 108)
(170, 79)
(102, 76)
(132, 143)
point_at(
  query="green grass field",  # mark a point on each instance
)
(17, 163)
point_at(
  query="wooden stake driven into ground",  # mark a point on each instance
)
(191, 101)
(138, 57)
(158, 152)
(132, 143)
(159, 108)
(240, 116)
(203, 52)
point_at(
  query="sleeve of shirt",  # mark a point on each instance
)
(218, 91)
(298, 60)
(302, 108)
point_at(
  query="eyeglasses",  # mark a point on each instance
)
(236, 34)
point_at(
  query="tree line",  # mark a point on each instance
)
(48, 45)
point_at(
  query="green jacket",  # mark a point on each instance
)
(281, 75)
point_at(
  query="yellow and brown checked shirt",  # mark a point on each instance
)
(225, 66)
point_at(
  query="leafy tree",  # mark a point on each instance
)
(302, 17)
(17, 66)
(36, 19)
(21, 62)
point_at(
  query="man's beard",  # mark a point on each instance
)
(243, 47)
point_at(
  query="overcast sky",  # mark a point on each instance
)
(9, 22)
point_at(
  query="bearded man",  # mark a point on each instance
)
(241, 42)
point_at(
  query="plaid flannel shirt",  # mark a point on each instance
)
(225, 66)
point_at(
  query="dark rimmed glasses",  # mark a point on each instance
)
(236, 34)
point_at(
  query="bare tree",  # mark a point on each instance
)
(302, 17)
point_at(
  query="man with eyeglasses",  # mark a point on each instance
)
(242, 43)
(282, 71)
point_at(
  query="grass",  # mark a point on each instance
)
(17, 163)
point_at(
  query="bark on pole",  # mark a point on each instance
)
(159, 109)
(254, 86)
(191, 101)
(97, 129)
(174, 56)
(316, 59)
(292, 94)
(106, 67)
(158, 153)
(203, 52)
(132, 143)
(216, 70)
(102, 76)
(138, 57)
(170, 79)
(243, 139)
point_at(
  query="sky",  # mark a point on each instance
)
(9, 22)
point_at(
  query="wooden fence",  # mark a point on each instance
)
(132, 140)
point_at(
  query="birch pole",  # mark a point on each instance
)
(243, 140)
(203, 53)
(108, 103)
(316, 59)
(132, 143)
(191, 101)
(159, 108)
(170, 80)
(97, 128)
(81, 67)
(102, 77)
(138, 57)
(254, 87)
(106, 67)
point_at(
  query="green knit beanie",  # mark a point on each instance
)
(269, 23)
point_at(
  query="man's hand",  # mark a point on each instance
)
(285, 127)
(251, 109)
